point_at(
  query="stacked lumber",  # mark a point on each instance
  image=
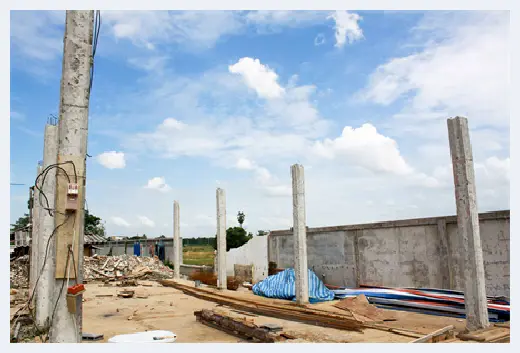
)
(241, 327)
(125, 266)
(289, 311)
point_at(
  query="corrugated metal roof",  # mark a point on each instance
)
(93, 238)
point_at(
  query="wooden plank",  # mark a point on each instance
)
(434, 334)
(291, 312)
(490, 334)
(230, 324)
(72, 222)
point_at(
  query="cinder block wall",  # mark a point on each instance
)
(414, 253)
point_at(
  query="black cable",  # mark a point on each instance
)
(63, 284)
(61, 290)
(45, 259)
(43, 266)
(97, 27)
(46, 172)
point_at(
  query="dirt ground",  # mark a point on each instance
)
(169, 309)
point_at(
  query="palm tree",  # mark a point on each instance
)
(241, 217)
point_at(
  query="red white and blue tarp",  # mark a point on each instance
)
(425, 300)
(282, 286)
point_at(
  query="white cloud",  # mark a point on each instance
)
(158, 183)
(259, 77)
(470, 49)
(244, 163)
(347, 27)
(267, 182)
(150, 63)
(319, 40)
(118, 221)
(112, 160)
(38, 34)
(365, 147)
(197, 29)
(146, 221)
(267, 21)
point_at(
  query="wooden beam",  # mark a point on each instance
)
(434, 334)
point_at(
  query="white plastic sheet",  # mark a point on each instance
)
(145, 337)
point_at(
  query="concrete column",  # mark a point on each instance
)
(300, 235)
(72, 146)
(47, 244)
(468, 224)
(35, 237)
(181, 254)
(221, 239)
(177, 246)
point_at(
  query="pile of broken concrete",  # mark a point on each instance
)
(108, 268)
(20, 272)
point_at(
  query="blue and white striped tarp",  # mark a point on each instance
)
(282, 286)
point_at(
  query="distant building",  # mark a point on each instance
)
(115, 238)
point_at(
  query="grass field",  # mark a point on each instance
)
(198, 255)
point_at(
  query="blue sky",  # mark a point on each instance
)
(185, 102)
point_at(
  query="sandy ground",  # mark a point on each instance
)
(164, 309)
(169, 309)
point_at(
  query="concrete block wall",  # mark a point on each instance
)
(414, 252)
(254, 253)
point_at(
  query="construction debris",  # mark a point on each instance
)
(241, 327)
(442, 334)
(210, 279)
(125, 267)
(492, 334)
(363, 310)
(20, 272)
(91, 336)
(126, 294)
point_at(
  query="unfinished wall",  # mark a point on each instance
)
(118, 248)
(415, 253)
(254, 253)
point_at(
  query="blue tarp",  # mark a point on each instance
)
(282, 286)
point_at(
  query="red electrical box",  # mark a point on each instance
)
(76, 289)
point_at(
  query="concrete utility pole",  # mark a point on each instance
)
(221, 239)
(35, 238)
(72, 146)
(468, 224)
(300, 235)
(177, 246)
(47, 244)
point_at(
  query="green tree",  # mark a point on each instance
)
(241, 217)
(93, 225)
(22, 222)
(262, 233)
(235, 238)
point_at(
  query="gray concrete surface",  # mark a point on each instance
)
(469, 244)
(47, 242)
(412, 252)
(299, 235)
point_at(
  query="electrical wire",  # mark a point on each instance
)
(43, 266)
(97, 27)
(45, 172)
(63, 283)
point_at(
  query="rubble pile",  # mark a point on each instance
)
(125, 266)
(20, 272)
